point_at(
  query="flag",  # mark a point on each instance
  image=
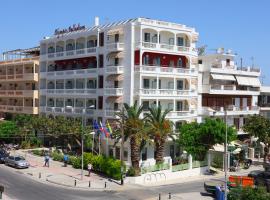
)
(95, 125)
(109, 128)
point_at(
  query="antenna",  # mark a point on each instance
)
(252, 60)
(262, 78)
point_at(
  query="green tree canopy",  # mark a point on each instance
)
(259, 126)
(8, 129)
(198, 138)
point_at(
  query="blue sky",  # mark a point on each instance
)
(241, 25)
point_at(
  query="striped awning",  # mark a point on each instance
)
(223, 77)
(248, 81)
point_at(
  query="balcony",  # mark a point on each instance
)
(111, 113)
(165, 70)
(181, 114)
(69, 73)
(231, 110)
(167, 47)
(233, 69)
(71, 53)
(166, 92)
(19, 109)
(19, 93)
(70, 111)
(114, 69)
(19, 77)
(113, 91)
(67, 92)
(229, 89)
(116, 46)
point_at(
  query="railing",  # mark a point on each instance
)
(19, 60)
(70, 72)
(114, 69)
(225, 68)
(72, 110)
(166, 92)
(113, 91)
(155, 168)
(115, 46)
(72, 52)
(180, 167)
(70, 91)
(20, 109)
(167, 47)
(182, 113)
(197, 164)
(233, 88)
(163, 70)
(18, 92)
(27, 76)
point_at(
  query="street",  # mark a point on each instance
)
(18, 186)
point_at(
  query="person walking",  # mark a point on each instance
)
(89, 167)
(65, 160)
(47, 160)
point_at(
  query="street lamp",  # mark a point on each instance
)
(226, 152)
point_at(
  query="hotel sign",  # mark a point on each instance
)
(73, 28)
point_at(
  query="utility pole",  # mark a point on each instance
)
(122, 147)
(82, 149)
(226, 154)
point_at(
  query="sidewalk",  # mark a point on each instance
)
(65, 176)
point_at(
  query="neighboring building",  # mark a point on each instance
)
(91, 72)
(224, 85)
(264, 101)
(19, 82)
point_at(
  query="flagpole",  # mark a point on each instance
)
(99, 144)
(93, 143)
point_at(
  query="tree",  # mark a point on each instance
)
(248, 193)
(25, 125)
(198, 138)
(8, 129)
(259, 126)
(160, 129)
(134, 130)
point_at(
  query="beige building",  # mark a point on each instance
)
(19, 74)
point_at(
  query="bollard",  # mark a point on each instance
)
(159, 196)
(105, 185)
(75, 183)
(89, 184)
(1, 190)
(170, 196)
(39, 175)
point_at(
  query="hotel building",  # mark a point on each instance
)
(19, 71)
(89, 73)
(225, 86)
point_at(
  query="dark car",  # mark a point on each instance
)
(16, 161)
(261, 178)
(3, 155)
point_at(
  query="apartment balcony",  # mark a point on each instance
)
(68, 92)
(166, 92)
(231, 110)
(19, 93)
(19, 109)
(79, 73)
(233, 69)
(19, 77)
(111, 113)
(182, 114)
(173, 71)
(69, 54)
(116, 46)
(167, 48)
(114, 69)
(113, 91)
(70, 111)
(229, 89)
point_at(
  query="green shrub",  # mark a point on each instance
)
(35, 142)
(131, 171)
(76, 163)
(57, 156)
(248, 193)
(217, 162)
(25, 145)
(37, 152)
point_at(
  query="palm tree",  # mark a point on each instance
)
(134, 130)
(160, 129)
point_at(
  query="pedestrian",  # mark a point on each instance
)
(89, 167)
(65, 160)
(47, 160)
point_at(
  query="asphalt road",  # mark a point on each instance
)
(20, 187)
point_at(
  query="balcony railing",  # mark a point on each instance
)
(52, 74)
(113, 91)
(25, 76)
(164, 70)
(232, 88)
(167, 47)
(69, 91)
(182, 113)
(72, 52)
(114, 69)
(233, 68)
(19, 93)
(19, 109)
(115, 46)
(72, 110)
(165, 92)
(237, 110)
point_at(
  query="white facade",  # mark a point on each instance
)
(90, 73)
(226, 86)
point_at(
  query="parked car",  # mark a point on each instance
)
(16, 161)
(261, 178)
(210, 186)
(3, 155)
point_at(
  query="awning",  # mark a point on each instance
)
(223, 77)
(248, 81)
(115, 55)
(115, 31)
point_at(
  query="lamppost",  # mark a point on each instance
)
(226, 152)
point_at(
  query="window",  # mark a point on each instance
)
(101, 39)
(156, 61)
(90, 43)
(144, 154)
(125, 155)
(100, 102)
(179, 106)
(171, 41)
(180, 62)
(100, 81)
(236, 123)
(69, 47)
(146, 60)
(228, 62)
(116, 61)
(180, 85)
(116, 38)
(116, 84)
(146, 83)
(145, 105)
(116, 106)
(180, 41)
(100, 61)
(200, 62)
(146, 37)
(154, 38)
(171, 64)
(91, 84)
